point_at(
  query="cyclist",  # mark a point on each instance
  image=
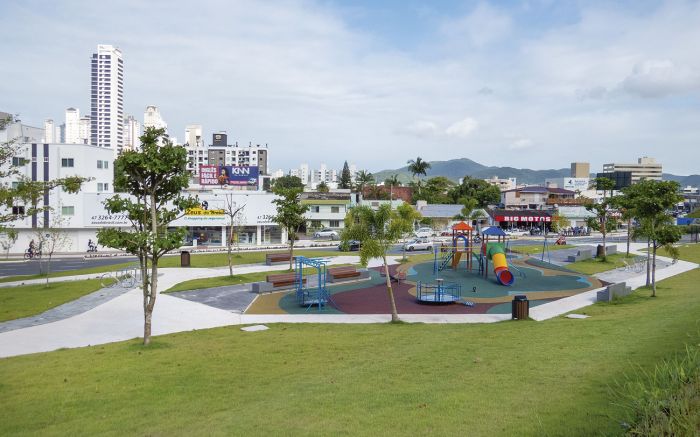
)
(91, 246)
(32, 247)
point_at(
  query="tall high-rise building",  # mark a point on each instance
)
(107, 98)
(49, 131)
(84, 126)
(645, 168)
(152, 118)
(580, 170)
(62, 133)
(132, 133)
(72, 126)
(193, 135)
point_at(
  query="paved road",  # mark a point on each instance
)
(59, 265)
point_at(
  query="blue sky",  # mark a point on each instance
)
(535, 83)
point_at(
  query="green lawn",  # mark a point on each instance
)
(29, 300)
(688, 252)
(593, 265)
(220, 281)
(537, 248)
(196, 260)
(511, 378)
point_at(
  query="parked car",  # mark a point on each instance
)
(350, 246)
(327, 233)
(516, 232)
(418, 244)
(424, 233)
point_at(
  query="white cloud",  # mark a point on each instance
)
(483, 25)
(462, 129)
(521, 144)
(421, 129)
(660, 78)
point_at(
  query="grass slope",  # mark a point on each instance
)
(29, 300)
(593, 265)
(512, 378)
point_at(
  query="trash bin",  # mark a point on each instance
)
(184, 259)
(599, 251)
(521, 307)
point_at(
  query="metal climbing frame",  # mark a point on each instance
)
(310, 296)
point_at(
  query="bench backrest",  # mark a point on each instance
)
(342, 270)
(281, 278)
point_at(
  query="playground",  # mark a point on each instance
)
(463, 278)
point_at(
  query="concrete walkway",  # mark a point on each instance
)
(121, 318)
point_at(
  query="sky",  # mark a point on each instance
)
(528, 84)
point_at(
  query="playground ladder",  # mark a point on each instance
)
(446, 260)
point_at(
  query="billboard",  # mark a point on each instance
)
(228, 175)
(574, 184)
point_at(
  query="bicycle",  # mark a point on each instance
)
(31, 254)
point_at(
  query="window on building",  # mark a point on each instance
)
(18, 210)
(315, 208)
(335, 209)
(18, 161)
(67, 162)
(334, 223)
(102, 186)
(68, 210)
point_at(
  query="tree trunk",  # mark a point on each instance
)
(648, 262)
(229, 243)
(629, 226)
(48, 270)
(605, 233)
(291, 249)
(653, 272)
(151, 296)
(390, 292)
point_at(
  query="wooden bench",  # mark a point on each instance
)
(283, 280)
(348, 272)
(399, 276)
(276, 258)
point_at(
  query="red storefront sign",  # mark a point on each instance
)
(523, 218)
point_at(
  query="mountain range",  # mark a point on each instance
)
(455, 169)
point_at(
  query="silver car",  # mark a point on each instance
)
(418, 245)
(327, 233)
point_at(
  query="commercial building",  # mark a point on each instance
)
(502, 184)
(536, 198)
(107, 98)
(580, 170)
(645, 168)
(528, 219)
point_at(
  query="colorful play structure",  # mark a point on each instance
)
(309, 296)
(477, 257)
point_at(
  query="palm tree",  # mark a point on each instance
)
(418, 167)
(392, 181)
(323, 187)
(362, 179)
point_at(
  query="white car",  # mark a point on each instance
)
(418, 245)
(424, 233)
(516, 232)
(327, 233)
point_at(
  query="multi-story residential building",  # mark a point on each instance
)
(132, 133)
(19, 131)
(326, 210)
(580, 170)
(645, 168)
(503, 184)
(107, 98)
(196, 150)
(49, 131)
(538, 198)
(84, 126)
(62, 133)
(152, 118)
(222, 153)
(304, 173)
(73, 126)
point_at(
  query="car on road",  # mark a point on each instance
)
(418, 244)
(350, 246)
(516, 232)
(424, 233)
(327, 233)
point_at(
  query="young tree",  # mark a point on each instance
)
(288, 182)
(663, 233)
(418, 167)
(290, 214)
(345, 177)
(602, 221)
(559, 223)
(377, 232)
(323, 187)
(154, 177)
(363, 178)
(651, 201)
(232, 211)
(407, 217)
(8, 238)
(51, 238)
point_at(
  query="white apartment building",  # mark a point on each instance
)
(645, 168)
(107, 98)
(73, 126)
(503, 184)
(73, 212)
(222, 153)
(84, 126)
(20, 132)
(49, 131)
(152, 118)
(132, 133)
